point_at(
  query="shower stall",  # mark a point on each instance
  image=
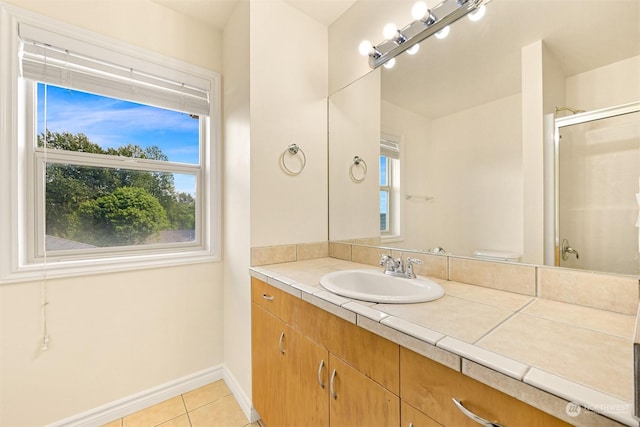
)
(597, 190)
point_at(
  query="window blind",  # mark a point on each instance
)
(390, 149)
(59, 60)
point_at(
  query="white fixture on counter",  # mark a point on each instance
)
(375, 286)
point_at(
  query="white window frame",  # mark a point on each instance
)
(18, 173)
(393, 186)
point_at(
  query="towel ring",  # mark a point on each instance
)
(358, 161)
(293, 150)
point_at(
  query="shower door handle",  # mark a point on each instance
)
(566, 249)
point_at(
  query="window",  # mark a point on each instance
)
(389, 186)
(114, 159)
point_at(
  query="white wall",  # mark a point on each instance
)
(237, 206)
(414, 131)
(614, 84)
(288, 57)
(475, 176)
(275, 95)
(354, 130)
(139, 22)
(112, 335)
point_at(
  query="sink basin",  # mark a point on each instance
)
(375, 286)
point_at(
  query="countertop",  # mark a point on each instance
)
(549, 354)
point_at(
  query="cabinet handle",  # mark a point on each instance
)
(473, 416)
(267, 297)
(320, 373)
(332, 390)
(410, 424)
(280, 340)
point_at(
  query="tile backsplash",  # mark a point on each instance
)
(598, 290)
(288, 253)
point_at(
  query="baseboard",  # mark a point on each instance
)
(243, 400)
(128, 405)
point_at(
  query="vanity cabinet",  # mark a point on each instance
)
(312, 368)
(286, 394)
(429, 387)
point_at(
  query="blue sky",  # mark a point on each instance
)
(112, 123)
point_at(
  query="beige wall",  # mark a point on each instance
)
(112, 335)
(288, 105)
(275, 95)
(586, 91)
(413, 130)
(139, 22)
(354, 130)
(237, 203)
(475, 175)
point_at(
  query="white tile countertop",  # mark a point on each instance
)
(546, 353)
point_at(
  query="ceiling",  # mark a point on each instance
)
(481, 61)
(215, 13)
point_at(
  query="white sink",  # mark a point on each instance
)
(375, 286)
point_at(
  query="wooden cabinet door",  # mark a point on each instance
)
(307, 383)
(411, 417)
(290, 374)
(356, 400)
(430, 386)
(269, 366)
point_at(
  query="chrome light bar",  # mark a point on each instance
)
(444, 14)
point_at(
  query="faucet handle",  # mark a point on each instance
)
(384, 258)
(409, 268)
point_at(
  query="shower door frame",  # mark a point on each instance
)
(561, 122)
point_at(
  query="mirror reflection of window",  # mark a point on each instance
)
(389, 187)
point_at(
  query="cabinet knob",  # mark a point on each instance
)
(267, 297)
(473, 416)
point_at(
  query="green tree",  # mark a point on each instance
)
(127, 216)
(70, 186)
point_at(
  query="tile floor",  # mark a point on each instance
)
(210, 406)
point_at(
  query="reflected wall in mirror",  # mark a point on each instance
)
(469, 114)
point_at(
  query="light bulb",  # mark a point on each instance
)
(413, 49)
(390, 31)
(443, 33)
(477, 14)
(390, 63)
(419, 10)
(365, 48)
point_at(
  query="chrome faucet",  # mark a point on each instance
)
(397, 268)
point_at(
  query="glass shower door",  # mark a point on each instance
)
(598, 179)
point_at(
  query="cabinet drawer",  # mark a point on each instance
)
(273, 300)
(430, 386)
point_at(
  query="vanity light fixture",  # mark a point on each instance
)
(477, 14)
(443, 33)
(427, 22)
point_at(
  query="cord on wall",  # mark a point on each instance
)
(45, 297)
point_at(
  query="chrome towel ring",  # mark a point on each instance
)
(358, 161)
(292, 151)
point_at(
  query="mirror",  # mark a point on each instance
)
(467, 114)
(598, 164)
